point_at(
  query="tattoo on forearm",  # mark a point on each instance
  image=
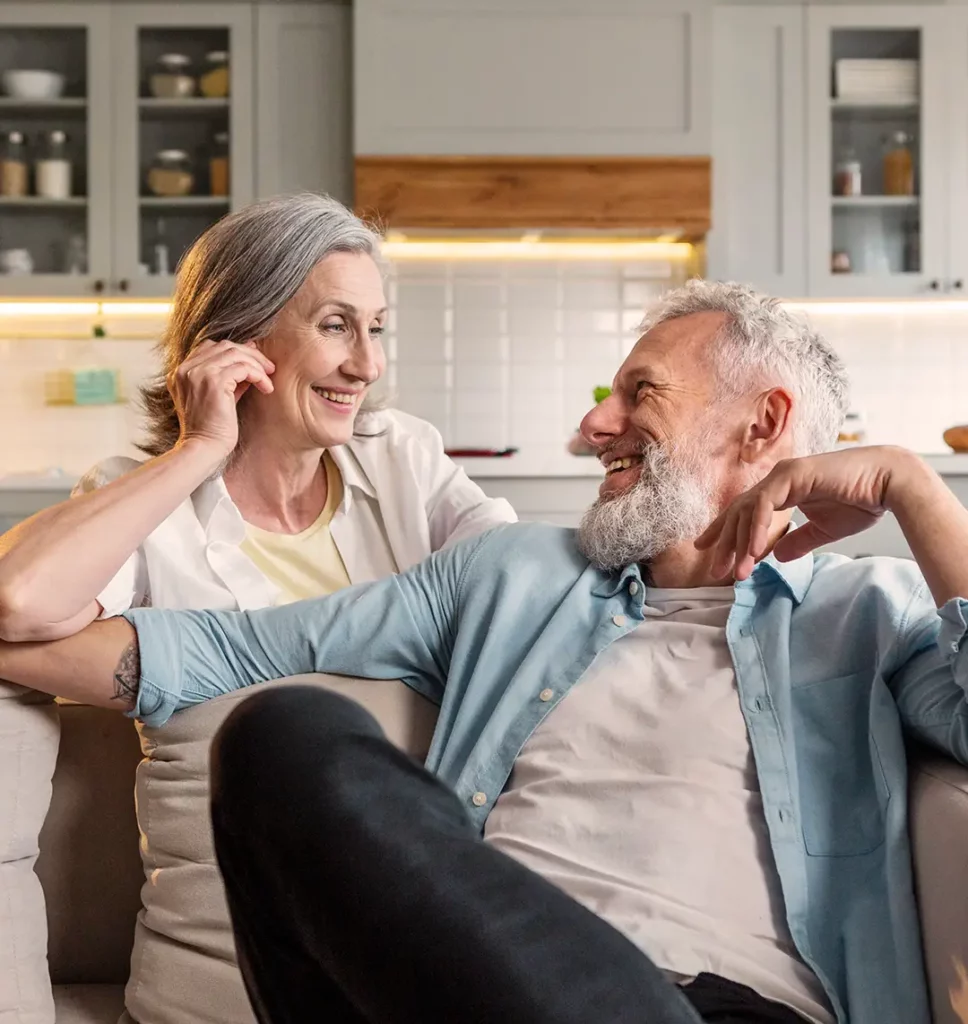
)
(127, 675)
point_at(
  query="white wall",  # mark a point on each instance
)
(504, 354)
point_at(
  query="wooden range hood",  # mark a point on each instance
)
(648, 195)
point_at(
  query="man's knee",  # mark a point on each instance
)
(285, 735)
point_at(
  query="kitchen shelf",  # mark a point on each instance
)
(40, 202)
(185, 202)
(197, 106)
(874, 202)
(14, 105)
(874, 109)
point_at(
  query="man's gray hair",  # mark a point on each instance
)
(233, 282)
(763, 344)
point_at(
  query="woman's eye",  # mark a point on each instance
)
(336, 325)
(377, 330)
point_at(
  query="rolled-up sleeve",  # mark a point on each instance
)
(930, 685)
(397, 628)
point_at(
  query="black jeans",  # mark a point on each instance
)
(360, 892)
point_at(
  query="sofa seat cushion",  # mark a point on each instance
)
(183, 966)
(29, 732)
(88, 1004)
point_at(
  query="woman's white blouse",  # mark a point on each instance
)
(403, 498)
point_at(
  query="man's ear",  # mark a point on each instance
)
(769, 426)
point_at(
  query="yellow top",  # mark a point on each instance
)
(305, 564)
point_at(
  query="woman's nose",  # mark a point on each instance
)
(366, 360)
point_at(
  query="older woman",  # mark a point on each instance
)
(268, 479)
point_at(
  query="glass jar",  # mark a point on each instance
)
(171, 173)
(13, 165)
(172, 78)
(52, 172)
(854, 429)
(214, 81)
(848, 176)
(898, 161)
(218, 165)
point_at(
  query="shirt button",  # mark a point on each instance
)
(546, 695)
(955, 646)
(619, 620)
(634, 587)
(758, 704)
(479, 799)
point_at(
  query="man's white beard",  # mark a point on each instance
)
(671, 502)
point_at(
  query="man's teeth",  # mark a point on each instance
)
(336, 396)
(614, 467)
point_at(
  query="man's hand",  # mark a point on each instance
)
(840, 493)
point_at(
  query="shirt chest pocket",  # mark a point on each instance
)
(843, 790)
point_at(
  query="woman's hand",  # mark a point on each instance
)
(840, 493)
(207, 386)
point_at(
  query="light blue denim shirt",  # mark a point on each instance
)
(832, 656)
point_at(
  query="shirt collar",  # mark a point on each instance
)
(214, 505)
(351, 470)
(795, 576)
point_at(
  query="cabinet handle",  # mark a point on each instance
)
(99, 286)
(958, 285)
(935, 285)
(123, 284)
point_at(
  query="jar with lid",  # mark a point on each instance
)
(53, 168)
(854, 429)
(172, 78)
(848, 177)
(171, 173)
(13, 165)
(214, 80)
(218, 165)
(898, 162)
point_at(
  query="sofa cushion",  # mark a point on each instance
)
(28, 752)
(183, 967)
(88, 1004)
(89, 863)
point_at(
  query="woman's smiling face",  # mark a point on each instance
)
(327, 347)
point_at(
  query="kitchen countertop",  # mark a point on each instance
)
(520, 466)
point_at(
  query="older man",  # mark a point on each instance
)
(677, 731)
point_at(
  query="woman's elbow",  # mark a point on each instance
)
(21, 620)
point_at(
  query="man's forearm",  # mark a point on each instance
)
(100, 665)
(935, 525)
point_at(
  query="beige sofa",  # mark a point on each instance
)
(91, 873)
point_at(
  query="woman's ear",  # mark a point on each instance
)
(770, 426)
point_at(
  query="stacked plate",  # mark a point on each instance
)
(877, 81)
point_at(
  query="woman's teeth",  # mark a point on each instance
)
(336, 396)
(626, 463)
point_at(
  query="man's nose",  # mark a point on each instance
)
(603, 423)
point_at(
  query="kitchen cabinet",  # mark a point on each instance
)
(957, 135)
(759, 149)
(877, 117)
(303, 99)
(112, 234)
(531, 77)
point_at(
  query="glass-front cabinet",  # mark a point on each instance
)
(125, 131)
(878, 151)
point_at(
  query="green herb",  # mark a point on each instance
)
(601, 394)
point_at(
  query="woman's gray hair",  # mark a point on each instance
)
(235, 279)
(763, 344)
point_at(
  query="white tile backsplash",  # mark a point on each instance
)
(502, 354)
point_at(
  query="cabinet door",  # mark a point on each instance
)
(759, 131)
(303, 100)
(957, 281)
(877, 150)
(172, 177)
(531, 77)
(55, 217)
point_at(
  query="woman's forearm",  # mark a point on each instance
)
(53, 565)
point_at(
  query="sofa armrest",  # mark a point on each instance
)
(939, 841)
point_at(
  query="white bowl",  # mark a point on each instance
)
(33, 85)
